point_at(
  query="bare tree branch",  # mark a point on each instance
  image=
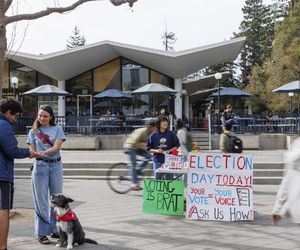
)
(7, 4)
(43, 13)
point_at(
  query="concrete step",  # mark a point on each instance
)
(268, 165)
(268, 173)
(267, 180)
(103, 171)
(264, 173)
(256, 180)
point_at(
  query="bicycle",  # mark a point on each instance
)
(119, 179)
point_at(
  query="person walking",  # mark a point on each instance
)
(46, 139)
(9, 151)
(134, 145)
(287, 203)
(161, 142)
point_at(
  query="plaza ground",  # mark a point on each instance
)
(117, 221)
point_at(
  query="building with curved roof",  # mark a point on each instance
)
(87, 70)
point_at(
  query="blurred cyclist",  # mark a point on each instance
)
(135, 145)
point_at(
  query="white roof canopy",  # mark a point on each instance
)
(66, 64)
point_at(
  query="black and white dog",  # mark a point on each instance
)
(68, 226)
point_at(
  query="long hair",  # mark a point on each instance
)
(49, 110)
(179, 124)
(160, 119)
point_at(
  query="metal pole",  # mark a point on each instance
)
(209, 130)
(219, 117)
(14, 90)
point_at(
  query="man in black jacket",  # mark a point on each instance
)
(9, 150)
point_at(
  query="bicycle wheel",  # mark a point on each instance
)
(118, 178)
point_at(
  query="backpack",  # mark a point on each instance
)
(234, 145)
(189, 144)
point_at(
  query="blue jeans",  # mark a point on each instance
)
(47, 179)
(159, 176)
(132, 158)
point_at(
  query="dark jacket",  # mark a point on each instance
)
(9, 150)
(165, 141)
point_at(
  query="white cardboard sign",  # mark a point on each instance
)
(220, 187)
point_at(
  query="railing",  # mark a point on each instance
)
(199, 123)
(256, 124)
(87, 124)
(100, 125)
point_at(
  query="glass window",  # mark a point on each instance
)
(26, 76)
(107, 76)
(134, 75)
(79, 85)
(27, 80)
(162, 101)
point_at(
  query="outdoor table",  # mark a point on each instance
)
(180, 172)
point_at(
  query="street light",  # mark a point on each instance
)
(14, 84)
(291, 94)
(218, 77)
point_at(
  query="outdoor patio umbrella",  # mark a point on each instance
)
(230, 91)
(113, 94)
(47, 90)
(291, 87)
(106, 104)
(135, 101)
(152, 89)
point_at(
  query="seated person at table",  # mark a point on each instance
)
(228, 116)
(162, 142)
(134, 145)
(109, 116)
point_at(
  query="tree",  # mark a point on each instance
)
(228, 67)
(76, 39)
(169, 39)
(283, 65)
(258, 27)
(280, 8)
(6, 20)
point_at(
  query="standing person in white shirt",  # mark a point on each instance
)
(181, 133)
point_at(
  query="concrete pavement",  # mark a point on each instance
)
(117, 221)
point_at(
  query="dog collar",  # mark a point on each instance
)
(68, 216)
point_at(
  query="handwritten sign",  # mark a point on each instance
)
(163, 197)
(220, 187)
(173, 161)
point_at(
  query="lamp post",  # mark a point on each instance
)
(218, 77)
(14, 81)
(291, 94)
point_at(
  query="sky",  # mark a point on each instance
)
(195, 22)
